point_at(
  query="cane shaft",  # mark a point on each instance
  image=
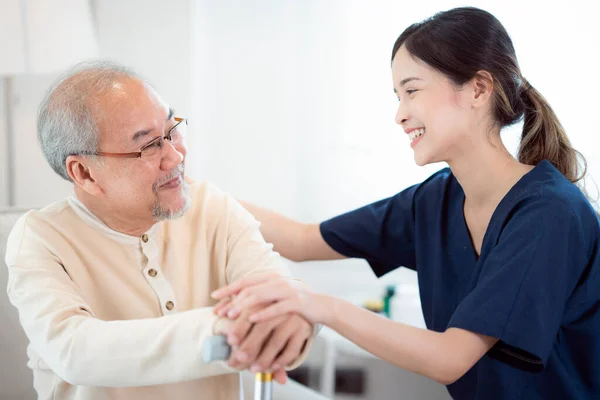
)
(263, 386)
(216, 348)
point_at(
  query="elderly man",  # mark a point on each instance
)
(113, 284)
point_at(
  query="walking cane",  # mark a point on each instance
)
(217, 348)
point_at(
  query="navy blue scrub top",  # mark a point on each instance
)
(535, 286)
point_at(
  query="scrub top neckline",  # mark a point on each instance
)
(506, 201)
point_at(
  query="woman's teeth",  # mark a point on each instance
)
(416, 133)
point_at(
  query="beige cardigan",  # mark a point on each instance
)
(113, 316)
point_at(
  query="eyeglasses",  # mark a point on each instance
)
(154, 148)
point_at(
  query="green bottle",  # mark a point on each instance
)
(389, 293)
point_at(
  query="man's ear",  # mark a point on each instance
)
(81, 171)
(482, 86)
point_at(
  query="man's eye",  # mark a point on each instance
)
(156, 144)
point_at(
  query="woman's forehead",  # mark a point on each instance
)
(405, 66)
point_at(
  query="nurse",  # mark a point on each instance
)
(506, 250)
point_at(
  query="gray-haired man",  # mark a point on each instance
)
(113, 284)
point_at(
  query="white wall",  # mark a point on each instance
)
(296, 102)
(153, 38)
(3, 145)
(296, 108)
(35, 183)
(150, 36)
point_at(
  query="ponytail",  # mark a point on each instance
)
(544, 137)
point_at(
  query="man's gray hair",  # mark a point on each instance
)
(65, 124)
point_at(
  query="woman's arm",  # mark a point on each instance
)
(442, 356)
(292, 239)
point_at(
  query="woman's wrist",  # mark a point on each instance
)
(327, 306)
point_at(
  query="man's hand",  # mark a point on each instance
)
(269, 345)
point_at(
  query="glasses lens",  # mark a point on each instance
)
(178, 132)
(153, 149)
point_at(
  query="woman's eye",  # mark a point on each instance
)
(411, 91)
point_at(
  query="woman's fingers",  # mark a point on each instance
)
(222, 304)
(224, 310)
(239, 285)
(259, 295)
(277, 309)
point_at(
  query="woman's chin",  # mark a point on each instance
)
(421, 161)
(423, 158)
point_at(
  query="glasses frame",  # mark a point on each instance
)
(138, 154)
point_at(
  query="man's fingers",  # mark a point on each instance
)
(252, 346)
(238, 332)
(280, 376)
(291, 352)
(233, 362)
(275, 345)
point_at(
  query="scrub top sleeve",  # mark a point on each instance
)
(382, 232)
(521, 293)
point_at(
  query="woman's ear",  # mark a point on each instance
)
(482, 85)
(80, 170)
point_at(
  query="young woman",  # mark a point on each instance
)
(506, 250)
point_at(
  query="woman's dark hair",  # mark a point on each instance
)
(463, 41)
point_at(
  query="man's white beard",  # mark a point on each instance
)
(159, 213)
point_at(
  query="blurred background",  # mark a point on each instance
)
(291, 106)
